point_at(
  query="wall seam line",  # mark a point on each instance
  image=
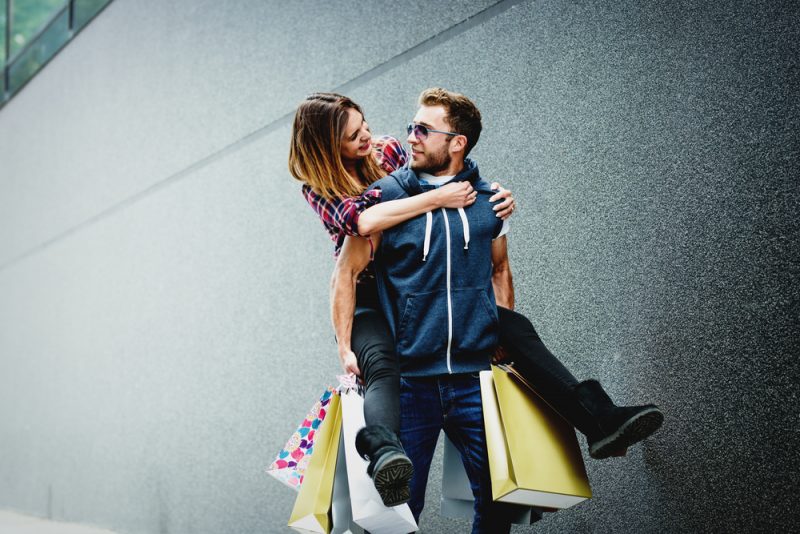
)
(404, 57)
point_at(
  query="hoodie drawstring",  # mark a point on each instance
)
(428, 227)
(465, 224)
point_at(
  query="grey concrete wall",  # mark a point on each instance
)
(163, 286)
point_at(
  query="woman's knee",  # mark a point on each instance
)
(513, 324)
(381, 367)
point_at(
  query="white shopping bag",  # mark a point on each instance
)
(368, 510)
(341, 514)
(457, 500)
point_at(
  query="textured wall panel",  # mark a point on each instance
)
(152, 87)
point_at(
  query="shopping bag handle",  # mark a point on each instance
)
(349, 382)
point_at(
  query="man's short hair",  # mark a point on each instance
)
(462, 114)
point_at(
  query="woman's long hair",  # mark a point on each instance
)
(315, 153)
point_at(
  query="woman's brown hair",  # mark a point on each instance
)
(315, 152)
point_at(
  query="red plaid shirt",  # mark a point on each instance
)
(340, 216)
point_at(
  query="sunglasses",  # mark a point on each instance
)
(421, 131)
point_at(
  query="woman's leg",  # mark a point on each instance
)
(389, 466)
(531, 357)
(372, 343)
(608, 428)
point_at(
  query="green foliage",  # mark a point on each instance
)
(2, 32)
(27, 19)
(86, 9)
(26, 29)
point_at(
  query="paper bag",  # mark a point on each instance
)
(291, 462)
(457, 500)
(312, 508)
(534, 458)
(341, 513)
(367, 507)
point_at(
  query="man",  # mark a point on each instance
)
(439, 277)
(436, 289)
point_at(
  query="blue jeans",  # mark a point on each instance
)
(451, 403)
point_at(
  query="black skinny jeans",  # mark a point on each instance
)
(373, 345)
(533, 360)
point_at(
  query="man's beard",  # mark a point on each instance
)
(434, 163)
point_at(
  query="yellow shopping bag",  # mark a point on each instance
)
(534, 458)
(312, 508)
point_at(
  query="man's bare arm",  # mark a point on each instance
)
(353, 259)
(502, 282)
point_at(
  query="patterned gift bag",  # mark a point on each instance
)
(291, 463)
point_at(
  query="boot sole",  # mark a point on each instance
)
(632, 431)
(391, 479)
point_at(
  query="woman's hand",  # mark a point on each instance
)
(456, 195)
(505, 208)
(348, 361)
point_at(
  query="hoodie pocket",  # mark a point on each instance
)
(474, 321)
(423, 325)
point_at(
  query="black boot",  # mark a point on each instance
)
(610, 428)
(389, 466)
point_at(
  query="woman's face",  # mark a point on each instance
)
(357, 142)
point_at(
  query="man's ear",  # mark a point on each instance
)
(458, 144)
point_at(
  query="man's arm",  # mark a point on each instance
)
(502, 283)
(353, 259)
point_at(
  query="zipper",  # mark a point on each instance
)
(449, 299)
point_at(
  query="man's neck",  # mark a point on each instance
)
(451, 170)
(434, 180)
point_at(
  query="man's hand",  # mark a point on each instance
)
(505, 208)
(349, 361)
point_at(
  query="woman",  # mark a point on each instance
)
(332, 153)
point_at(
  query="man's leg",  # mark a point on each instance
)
(463, 423)
(389, 466)
(608, 428)
(420, 425)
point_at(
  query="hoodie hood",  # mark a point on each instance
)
(408, 180)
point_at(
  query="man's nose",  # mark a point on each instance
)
(412, 139)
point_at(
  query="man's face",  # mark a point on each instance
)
(431, 155)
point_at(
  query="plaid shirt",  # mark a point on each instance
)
(340, 216)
